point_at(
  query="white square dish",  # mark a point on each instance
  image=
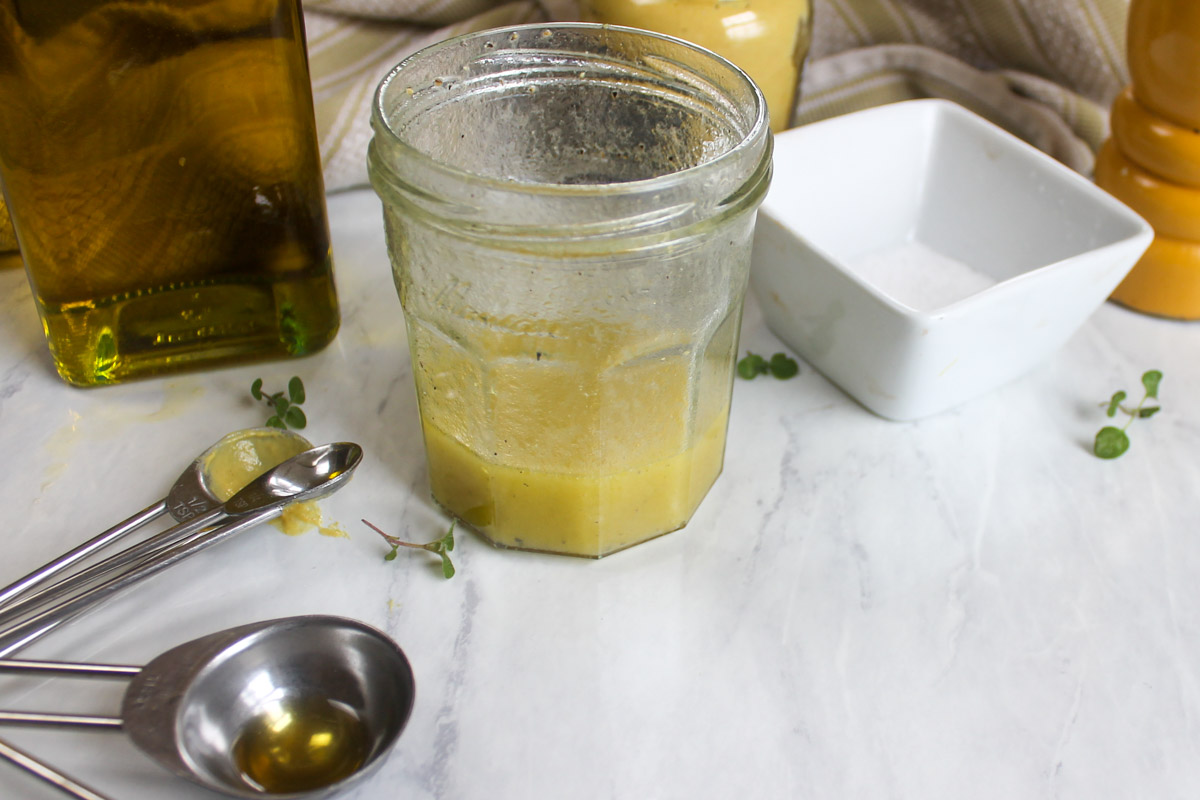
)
(918, 255)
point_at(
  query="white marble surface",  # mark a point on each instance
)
(971, 605)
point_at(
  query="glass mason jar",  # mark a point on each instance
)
(569, 212)
(769, 39)
(160, 164)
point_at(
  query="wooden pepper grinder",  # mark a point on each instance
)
(1152, 160)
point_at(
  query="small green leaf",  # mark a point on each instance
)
(783, 367)
(1115, 403)
(439, 547)
(294, 417)
(1150, 380)
(1110, 442)
(285, 412)
(751, 366)
(1145, 413)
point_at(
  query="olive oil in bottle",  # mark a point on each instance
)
(161, 167)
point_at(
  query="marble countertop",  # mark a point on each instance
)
(967, 606)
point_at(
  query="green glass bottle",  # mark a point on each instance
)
(161, 167)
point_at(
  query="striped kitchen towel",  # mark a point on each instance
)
(1047, 71)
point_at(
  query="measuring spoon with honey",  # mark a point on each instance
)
(299, 707)
(211, 479)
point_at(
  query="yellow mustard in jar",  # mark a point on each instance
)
(767, 38)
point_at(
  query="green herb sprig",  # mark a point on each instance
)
(1112, 441)
(780, 366)
(286, 408)
(440, 547)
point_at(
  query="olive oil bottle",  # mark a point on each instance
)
(160, 162)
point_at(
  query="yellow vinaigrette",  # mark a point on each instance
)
(578, 438)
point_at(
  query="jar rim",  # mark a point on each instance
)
(752, 138)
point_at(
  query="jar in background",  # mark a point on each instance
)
(160, 164)
(769, 39)
(569, 212)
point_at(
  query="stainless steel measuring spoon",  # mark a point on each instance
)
(189, 497)
(307, 476)
(294, 707)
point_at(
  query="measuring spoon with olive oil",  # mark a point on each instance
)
(330, 697)
(300, 743)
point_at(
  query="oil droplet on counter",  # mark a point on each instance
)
(60, 446)
(178, 399)
(301, 743)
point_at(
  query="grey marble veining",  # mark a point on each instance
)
(970, 605)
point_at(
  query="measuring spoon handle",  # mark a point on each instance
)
(32, 629)
(39, 719)
(157, 543)
(69, 669)
(114, 533)
(48, 774)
